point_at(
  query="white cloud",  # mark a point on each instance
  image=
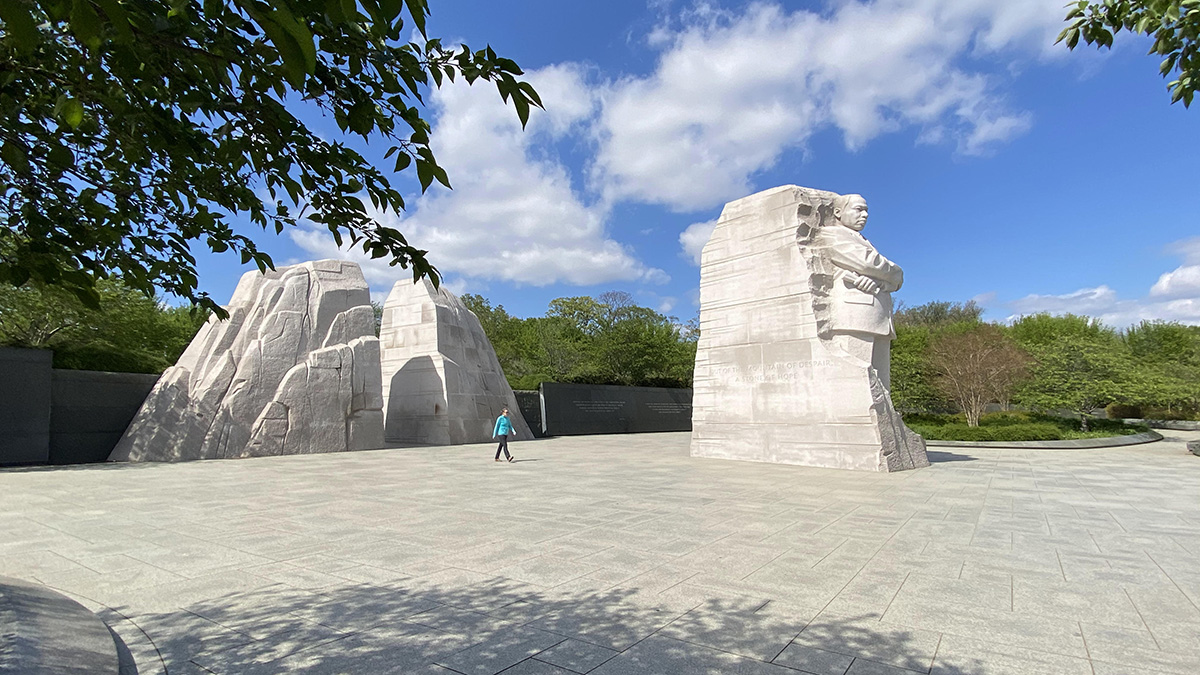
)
(1183, 281)
(1174, 297)
(695, 237)
(1090, 301)
(985, 299)
(731, 92)
(512, 215)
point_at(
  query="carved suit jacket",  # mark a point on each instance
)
(852, 310)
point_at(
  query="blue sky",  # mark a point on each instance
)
(998, 166)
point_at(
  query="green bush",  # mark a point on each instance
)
(933, 419)
(1121, 410)
(1004, 419)
(1036, 431)
(1014, 426)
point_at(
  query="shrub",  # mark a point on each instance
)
(1003, 419)
(1120, 410)
(1175, 414)
(933, 419)
(1034, 431)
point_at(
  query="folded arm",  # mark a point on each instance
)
(861, 259)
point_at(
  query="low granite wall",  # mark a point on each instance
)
(25, 376)
(50, 416)
(90, 410)
(572, 409)
(530, 403)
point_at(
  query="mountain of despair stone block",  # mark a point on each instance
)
(293, 370)
(441, 380)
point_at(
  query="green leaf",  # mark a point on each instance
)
(424, 174)
(391, 9)
(14, 156)
(61, 156)
(86, 23)
(418, 9)
(361, 118)
(291, 39)
(117, 17)
(19, 24)
(72, 113)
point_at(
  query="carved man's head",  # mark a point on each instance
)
(851, 211)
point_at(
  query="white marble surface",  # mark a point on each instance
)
(773, 381)
(293, 370)
(442, 382)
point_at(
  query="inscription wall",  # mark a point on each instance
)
(573, 409)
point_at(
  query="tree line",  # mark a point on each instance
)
(602, 340)
(128, 332)
(947, 359)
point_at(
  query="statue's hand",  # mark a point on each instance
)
(866, 285)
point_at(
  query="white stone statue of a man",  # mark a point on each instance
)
(860, 301)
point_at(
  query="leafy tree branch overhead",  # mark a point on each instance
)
(134, 131)
(1174, 25)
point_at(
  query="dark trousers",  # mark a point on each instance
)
(503, 446)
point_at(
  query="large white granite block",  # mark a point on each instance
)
(792, 366)
(442, 383)
(295, 369)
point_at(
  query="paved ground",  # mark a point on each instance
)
(621, 554)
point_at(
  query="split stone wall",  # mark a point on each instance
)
(441, 379)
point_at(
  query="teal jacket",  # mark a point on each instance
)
(504, 427)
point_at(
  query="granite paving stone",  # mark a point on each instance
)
(864, 636)
(576, 656)
(666, 655)
(757, 632)
(500, 651)
(622, 554)
(814, 661)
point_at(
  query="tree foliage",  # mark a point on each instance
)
(1167, 358)
(133, 132)
(1174, 25)
(913, 374)
(128, 333)
(975, 365)
(1079, 364)
(937, 313)
(603, 340)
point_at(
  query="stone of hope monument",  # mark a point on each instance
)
(792, 366)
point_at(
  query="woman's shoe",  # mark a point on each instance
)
(510, 459)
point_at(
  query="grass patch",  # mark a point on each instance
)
(1015, 426)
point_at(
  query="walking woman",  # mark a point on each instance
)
(503, 428)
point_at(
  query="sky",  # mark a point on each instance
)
(999, 167)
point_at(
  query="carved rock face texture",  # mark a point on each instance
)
(774, 379)
(294, 370)
(441, 380)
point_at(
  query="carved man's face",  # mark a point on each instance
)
(854, 215)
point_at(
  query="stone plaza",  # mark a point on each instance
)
(622, 554)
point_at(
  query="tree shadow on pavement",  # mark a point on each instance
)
(492, 626)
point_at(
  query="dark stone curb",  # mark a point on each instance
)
(46, 633)
(1079, 443)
